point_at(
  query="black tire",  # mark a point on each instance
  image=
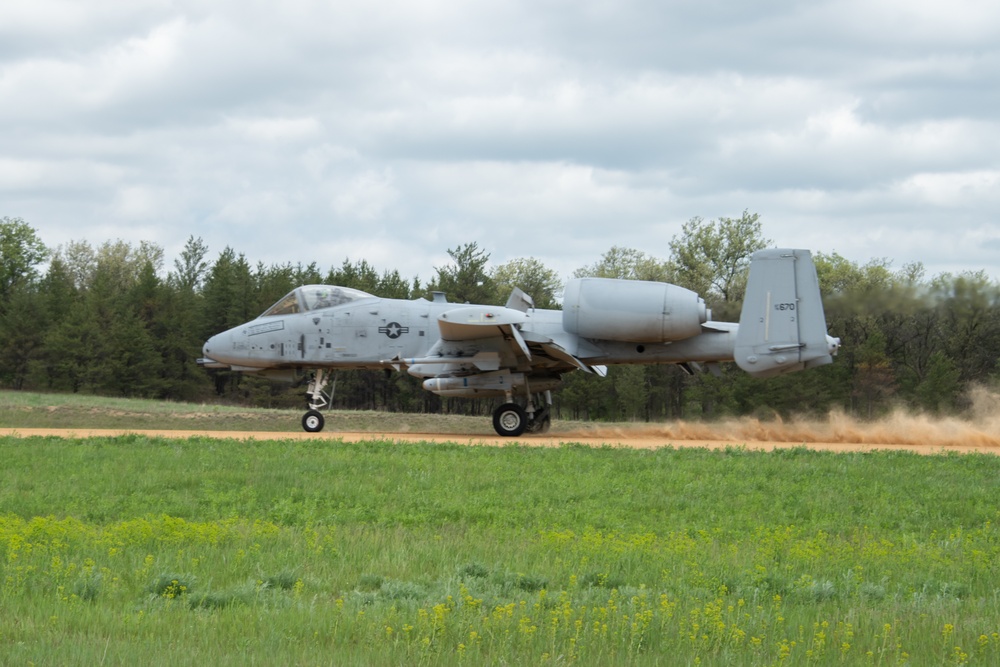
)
(510, 420)
(313, 421)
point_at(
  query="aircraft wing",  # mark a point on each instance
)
(564, 349)
(475, 322)
(484, 322)
(539, 350)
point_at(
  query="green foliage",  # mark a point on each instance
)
(191, 266)
(170, 586)
(925, 342)
(311, 552)
(106, 320)
(531, 277)
(23, 338)
(940, 385)
(466, 280)
(713, 258)
(627, 264)
(629, 387)
(21, 251)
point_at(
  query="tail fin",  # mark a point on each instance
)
(782, 325)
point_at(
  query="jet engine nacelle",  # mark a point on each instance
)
(631, 310)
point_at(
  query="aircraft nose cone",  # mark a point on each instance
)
(210, 354)
(206, 349)
(217, 345)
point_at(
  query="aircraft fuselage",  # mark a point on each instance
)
(519, 352)
(377, 333)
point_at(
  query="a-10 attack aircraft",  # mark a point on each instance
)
(519, 352)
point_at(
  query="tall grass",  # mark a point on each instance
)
(138, 550)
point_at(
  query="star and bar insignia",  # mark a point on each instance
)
(393, 330)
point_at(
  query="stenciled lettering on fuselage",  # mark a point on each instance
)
(394, 330)
(265, 328)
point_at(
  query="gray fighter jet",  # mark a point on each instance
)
(520, 353)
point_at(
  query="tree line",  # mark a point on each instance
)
(114, 320)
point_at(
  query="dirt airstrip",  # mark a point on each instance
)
(976, 430)
(925, 438)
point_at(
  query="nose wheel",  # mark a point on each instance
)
(313, 421)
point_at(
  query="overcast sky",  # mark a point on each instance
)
(309, 131)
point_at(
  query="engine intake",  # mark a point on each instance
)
(631, 310)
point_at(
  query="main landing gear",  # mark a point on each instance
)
(316, 399)
(511, 420)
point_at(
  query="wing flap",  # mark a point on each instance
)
(556, 352)
(559, 351)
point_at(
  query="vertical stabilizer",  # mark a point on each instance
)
(782, 325)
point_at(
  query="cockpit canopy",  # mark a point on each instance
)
(314, 297)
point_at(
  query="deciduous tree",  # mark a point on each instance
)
(531, 277)
(713, 258)
(466, 279)
(21, 252)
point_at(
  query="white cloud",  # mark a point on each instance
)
(955, 190)
(140, 203)
(55, 176)
(276, 129)
(394, 131)
(365, 197)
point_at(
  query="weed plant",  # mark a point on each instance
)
(141, 550)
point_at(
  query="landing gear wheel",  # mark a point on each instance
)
(510, 420)
(313, 421)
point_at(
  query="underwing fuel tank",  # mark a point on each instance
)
(631, 311)
(499, 383)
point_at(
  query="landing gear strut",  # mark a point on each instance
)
(542, 421)
(316, 399)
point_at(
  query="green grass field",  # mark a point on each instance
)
(136, 550)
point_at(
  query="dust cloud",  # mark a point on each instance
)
(978, 427)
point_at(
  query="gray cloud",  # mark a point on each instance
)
(393, 131)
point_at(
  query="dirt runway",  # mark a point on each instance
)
(649, 437)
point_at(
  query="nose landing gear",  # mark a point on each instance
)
(313, 420)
